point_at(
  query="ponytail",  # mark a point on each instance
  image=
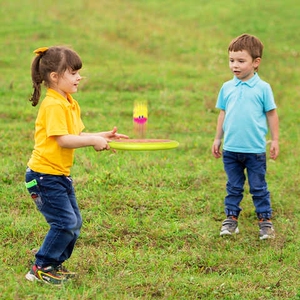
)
(36, 80)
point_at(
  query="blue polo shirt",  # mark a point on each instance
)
(245, 104)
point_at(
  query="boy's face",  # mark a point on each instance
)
(242, 64)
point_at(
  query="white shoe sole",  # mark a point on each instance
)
(31, 277)
(227, 232)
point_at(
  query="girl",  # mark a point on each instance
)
(58, 131)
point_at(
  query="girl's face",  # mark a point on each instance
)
(242, 64)
(68, 83)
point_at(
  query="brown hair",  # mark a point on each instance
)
(55, 59)
(247, 42)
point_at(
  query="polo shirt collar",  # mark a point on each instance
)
(251, 82)
(53, 93)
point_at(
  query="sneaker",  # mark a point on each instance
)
(48, 275)
(229, 226)
(266, 229)
(61, 270)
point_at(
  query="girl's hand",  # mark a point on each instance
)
(100, 143)
(113, 135)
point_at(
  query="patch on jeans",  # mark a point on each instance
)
(31, 184)
(37, 199)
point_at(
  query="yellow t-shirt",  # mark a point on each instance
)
(57, 116)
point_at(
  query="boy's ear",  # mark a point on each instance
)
(256, 61)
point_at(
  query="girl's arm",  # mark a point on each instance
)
(97, 140)
(72, 141)
(273, 122)
(111, 135)
(219, 135)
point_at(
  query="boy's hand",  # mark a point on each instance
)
(215, 149)
(274, 149)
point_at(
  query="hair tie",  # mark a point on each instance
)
(40, 51)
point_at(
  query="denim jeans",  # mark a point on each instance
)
(55, 198)
(255, 164)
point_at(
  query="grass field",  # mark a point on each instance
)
(152, 219)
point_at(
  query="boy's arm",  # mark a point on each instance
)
(219, 135)
(273, 122)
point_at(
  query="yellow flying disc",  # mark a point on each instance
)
(143, 144)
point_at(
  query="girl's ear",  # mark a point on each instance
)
(53, 77)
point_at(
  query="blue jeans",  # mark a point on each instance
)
(255, 164)
(55, 198)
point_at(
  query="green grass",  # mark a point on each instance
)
(151, 219)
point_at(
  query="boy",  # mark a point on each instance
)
(247, 108)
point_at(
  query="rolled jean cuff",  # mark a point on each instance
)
(266, 215)
(234, 213)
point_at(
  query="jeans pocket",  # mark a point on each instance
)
(261, 157)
